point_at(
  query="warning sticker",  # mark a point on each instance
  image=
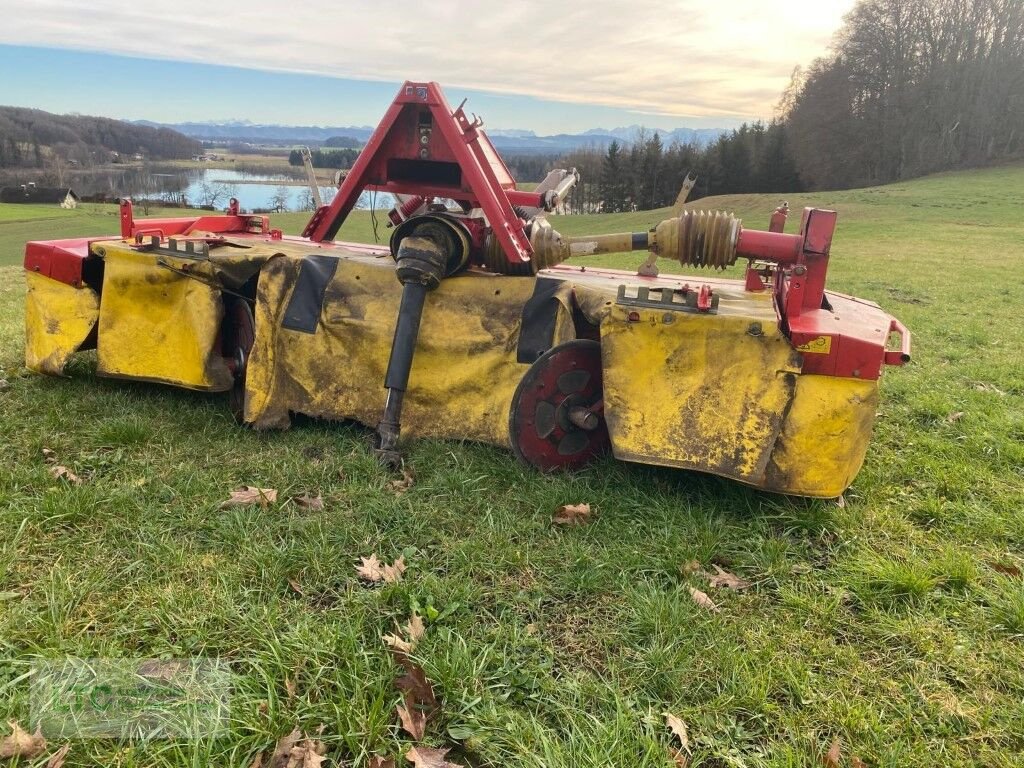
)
(821, 345)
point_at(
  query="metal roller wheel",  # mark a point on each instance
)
(557, 416)
(237, 337)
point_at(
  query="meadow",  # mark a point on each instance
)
(883, 629)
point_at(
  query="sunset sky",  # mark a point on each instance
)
(550, 67)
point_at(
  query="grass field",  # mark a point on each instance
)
(893, 623)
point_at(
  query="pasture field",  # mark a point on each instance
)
(889, 626)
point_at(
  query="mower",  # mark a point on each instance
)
(479, 321)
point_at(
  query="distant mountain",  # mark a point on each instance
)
(508, 140)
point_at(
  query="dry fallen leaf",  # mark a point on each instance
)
(393, 573)
(296, 587)
(373, 570)
(283, 750)
(257, 762)
(413, 720)
(312, 503)
(63, 473)
(21, 743)
(289, 687)
(403, 485)
(689, 568)
(414, 681)
(841, 501)
(380, 762)
(370, 570)
(248, 494)
(415, 629)
(49, 456)
(831, 758)
(57, 758)
(678, 727)
(426, 757)
(678, 757)
(856, 762)
(397, 643)
(953, 418)
(723, 578)
(571, 514)
(1006, 570)
(307, 754)
(701, 599)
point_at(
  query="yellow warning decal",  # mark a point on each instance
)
(821, 345)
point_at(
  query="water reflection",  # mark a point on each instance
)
(208, 186)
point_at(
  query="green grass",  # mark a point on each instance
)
(894, 622)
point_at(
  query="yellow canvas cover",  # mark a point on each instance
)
(720, 393)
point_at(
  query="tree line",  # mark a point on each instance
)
(910, 87)
(330, 158)
(32, 138)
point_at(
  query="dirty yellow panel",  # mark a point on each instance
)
(159, 326)
(464, 371)
(58, 320)
(699, 391)
(825, 436)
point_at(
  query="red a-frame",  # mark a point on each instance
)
(424, 148)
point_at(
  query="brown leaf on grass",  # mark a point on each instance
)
(57, 758)
(393, 573)
(49, 456)
(63, 473)
(373, 570)
(841, 501)
(571, 514)
(722, 578)
(953, 418)
(415, 682)
(834, 754)
(403, 485)
(312, 503)
(689, 568)
(257, 762)
(427, 757)
(398, 643)
(414, 628)
(370, 570)
(308, 754)
(678, 727)
(856, 762)
(296, 587)
(283, 750)
(414, 721)
(1003, 568)
(249, 494)
(290, 687)
(678, 757)
(702, 599)
(294, 751)
(380, 762)
(21, 743)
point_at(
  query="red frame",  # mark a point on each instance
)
(451, 139)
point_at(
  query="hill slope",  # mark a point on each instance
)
(28, 137)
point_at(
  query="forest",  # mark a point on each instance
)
(32, 138)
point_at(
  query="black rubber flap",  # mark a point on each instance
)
(307, 301)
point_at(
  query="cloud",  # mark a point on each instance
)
(669, 57)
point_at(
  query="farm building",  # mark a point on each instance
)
(30, 193)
